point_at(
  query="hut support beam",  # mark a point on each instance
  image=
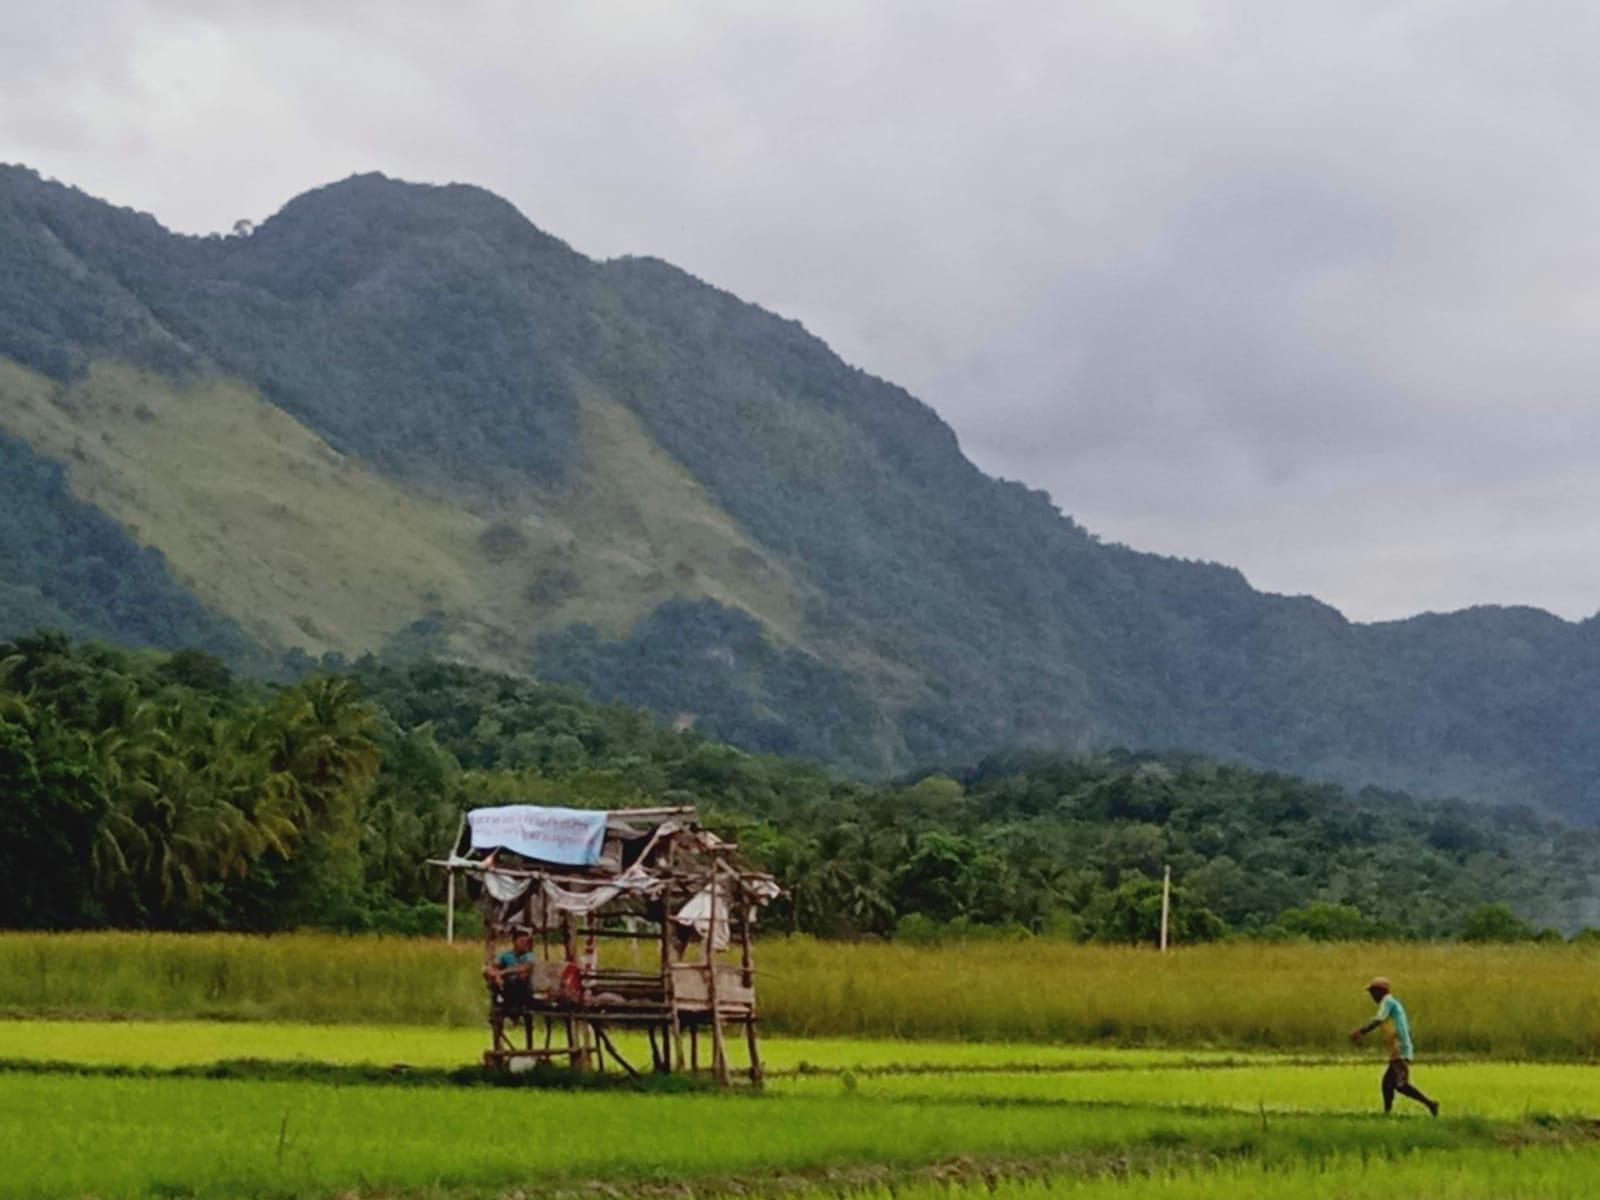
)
(609, 1046)
(719, 1049)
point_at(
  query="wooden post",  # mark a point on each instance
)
(719, 1050)
(757, 1074)
(675, 1020)
(669, 1028)
(748, 957)
(746, 950)
(1166, 905)
(450, 887)
(588, 963)
(496, 1026)
(578, 1054)
(677, 1040)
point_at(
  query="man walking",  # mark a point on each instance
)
(1397, 1027)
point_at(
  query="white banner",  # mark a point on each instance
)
(569, 836)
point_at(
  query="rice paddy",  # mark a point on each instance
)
(70, 1135)
(187, 1043)
(1492, 1090)
(1165, 1105)
(1561, 1172)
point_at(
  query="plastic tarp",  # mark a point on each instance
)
(634, 879)
(570, 837)
(696, 914)
(505, 888)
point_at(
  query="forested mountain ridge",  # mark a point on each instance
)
(446, 432)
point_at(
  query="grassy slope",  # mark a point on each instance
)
(304, 547)
(643, 532)
(69, 566)
(257, 516)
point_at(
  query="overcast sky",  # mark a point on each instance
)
(1310, 288)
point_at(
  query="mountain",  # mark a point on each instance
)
(401, 419)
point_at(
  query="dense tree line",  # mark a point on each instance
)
(150, 790)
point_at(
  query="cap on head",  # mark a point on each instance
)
(1379, 983)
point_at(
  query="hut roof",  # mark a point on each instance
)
(581, 860)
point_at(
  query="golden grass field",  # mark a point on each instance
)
(1513, 1002)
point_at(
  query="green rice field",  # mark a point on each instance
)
(65, 1133)
(186, 1043)
(1561, 1172)
(127, 1094)
(838, 1115)
(1497, 1090)
(1343, 1081)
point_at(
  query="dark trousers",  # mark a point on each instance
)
(513, 997)
(1398, 1079)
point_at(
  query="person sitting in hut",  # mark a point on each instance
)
(510, 979)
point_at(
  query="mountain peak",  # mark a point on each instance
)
(373, 204)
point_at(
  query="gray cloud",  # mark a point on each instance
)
(1306, 288)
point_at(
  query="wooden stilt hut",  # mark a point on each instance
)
(639, 918)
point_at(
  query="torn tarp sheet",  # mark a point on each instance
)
(570, 837)
(634, 879)
(696, 914)
(505, 888)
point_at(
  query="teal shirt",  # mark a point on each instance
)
(1390, 1010)
(510, 958)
